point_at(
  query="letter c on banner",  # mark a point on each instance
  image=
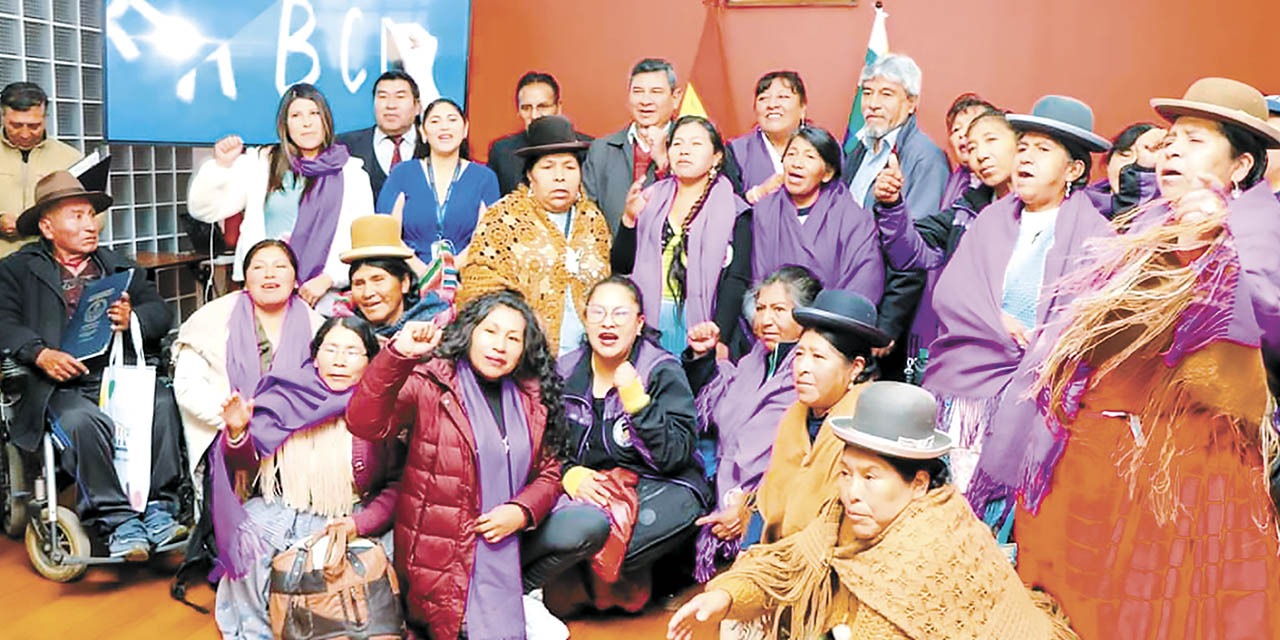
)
(295, 42)
(353, 84)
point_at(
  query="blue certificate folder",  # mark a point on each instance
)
(88, 333)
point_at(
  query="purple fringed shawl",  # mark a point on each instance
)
(837, 241)
(973, 358)
(708, 245)
(1027, 440)
(754, 160)
(1254, 222)
(494, 609)
(960, 181)
(319, 209)
(289, 397)
(747, 410)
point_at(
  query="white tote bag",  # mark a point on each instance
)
(128, 397)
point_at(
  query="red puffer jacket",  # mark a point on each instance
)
(439, 494)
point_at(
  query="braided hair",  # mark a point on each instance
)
(677, 274)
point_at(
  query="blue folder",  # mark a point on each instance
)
(88, 333)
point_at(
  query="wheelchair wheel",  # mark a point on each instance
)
(14, 510)
(72, 541)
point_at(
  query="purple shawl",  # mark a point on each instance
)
(747, 410)
(960, 181)
(289, 397)
(973, 355)
(1025, 444)
(494, 606)
(837, 241)
(1254, 222)
(319, 209)
(708, 245)
(753, 158)
(907, 249)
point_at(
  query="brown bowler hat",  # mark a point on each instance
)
(52, 189)
(1222, 100)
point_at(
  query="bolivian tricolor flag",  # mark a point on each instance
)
(877, 47)
(707, 93)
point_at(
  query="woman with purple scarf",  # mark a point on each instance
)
(202, 371)
(780, 107)
(1141, 450)
(305, 190)
(480, 402)
(312, 475)
(686, 241)
(995, 298)
(743, 403)
(629, 407)
(814, 223)
(927, 243)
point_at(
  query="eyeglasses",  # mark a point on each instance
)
(348, 353)
(621, 315)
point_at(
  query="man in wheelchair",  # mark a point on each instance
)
(40, 287)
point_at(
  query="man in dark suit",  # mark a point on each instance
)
(638, 152)
(537, 95)
(393, 138)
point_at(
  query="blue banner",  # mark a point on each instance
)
(193, 71)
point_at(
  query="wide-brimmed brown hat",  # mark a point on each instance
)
(1223, 100)
(375, 236)
(551, 134)
(54, 188)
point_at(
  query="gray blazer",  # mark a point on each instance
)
(607, 174)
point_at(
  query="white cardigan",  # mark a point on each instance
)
(218, 193)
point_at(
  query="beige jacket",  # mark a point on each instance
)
(18, 179)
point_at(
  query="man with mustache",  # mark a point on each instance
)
(27, 153)
(890, 90)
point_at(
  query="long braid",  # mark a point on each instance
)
(677, 275)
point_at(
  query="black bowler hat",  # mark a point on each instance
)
(551, 134)
(843, 312)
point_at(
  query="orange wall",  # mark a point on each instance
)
(1113, 54)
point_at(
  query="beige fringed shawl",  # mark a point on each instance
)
(935, 573)
(312, 471)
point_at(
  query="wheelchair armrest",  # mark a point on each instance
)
(13, 376)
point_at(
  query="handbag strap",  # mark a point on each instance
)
(335, 555)
(117, 344)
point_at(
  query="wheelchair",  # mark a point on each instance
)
(59, 547)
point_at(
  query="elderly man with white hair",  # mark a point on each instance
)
(890, 90)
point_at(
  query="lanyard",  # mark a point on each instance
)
(441, 206)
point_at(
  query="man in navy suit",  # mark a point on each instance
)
(537, 95)
(394, 138)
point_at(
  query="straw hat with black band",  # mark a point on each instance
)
(1223, 100)
(52, 189)
(894, 419)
